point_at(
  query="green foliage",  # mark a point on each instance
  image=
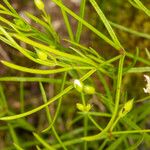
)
(88, 97)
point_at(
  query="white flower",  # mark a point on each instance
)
(78, 85)
(147, 89)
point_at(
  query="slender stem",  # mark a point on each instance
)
(118, 91)
(22, 96)
(13, 134)
(58, 107)
(85, 130)
(67, 23)
(131, 132)
(50, 118)
(83, 99)
(95, 123)
(79, 28)
(85, 121)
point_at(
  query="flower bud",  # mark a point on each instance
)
(78, 85)
(83, 108)
(88, 107)
(39, 4)
(126, 108)
(89, 89)
(80, 107)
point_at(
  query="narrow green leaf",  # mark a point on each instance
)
(106, 23)
(10, 6)
(52, 50)
(133, 32)
(81, 15)
(42, 141)
(139, 70)
(67, 23)
(93, 29)
(142, 7)
(30, 79)
(17, 146)
(38, 71)
(116, 143)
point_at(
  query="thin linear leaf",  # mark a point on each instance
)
(106, 23)
(116, 143)
(142, 7)
(17, 146)
(52, 50)
(38, 71)
(67, 23)
(30, 79)
(42, 141)
(81, 15)
(133, 32)
(93, 29)
(139, 70)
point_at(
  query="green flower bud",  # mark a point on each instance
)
(126, 108)
(89, 89)
(78, 85)
(41, 55)
(83, 108)
(88, 107)
(80, 107)
(39, 4)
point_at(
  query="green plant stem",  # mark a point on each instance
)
(50, 27)
(114, 124)
(118, 91)
(17, 146)
(96, 114)
(13, 134)
(131, 132)
(142, 7)
(95, 123)
(81, 14)
(58, 107)
(39, 71)
(22, 96)
(85, 131)
(133, 32)
(3, 98)
(87, 25)
(85, 121)
(83, 99)
(30, 79)
(106, 23)
(43, 142)
(140, 59)
(107, 90)
(48, 112)
(66, 20)
(142, 99)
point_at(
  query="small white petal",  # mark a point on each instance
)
(147, 89)
(147, 79)
(78, 85)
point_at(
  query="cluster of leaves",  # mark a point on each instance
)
(74, 62)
